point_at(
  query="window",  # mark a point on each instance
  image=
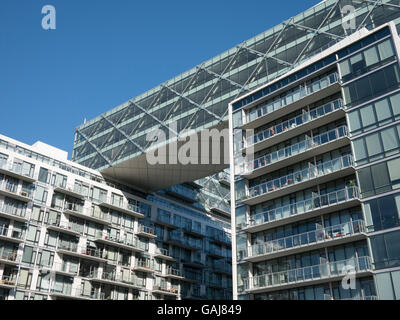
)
(44, 175)
(24, 279)
(40, 194)
(377, 145)
(386, 250)
(33, 234)
(29, 255)
(379, 178)
(382, 213)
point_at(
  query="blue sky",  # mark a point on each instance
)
(104, 53)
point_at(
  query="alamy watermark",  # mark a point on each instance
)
(49, 20)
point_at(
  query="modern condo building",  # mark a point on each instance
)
(67, 233)
(318, 197)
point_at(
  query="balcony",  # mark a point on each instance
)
(74, 292)
(174, 273)
(181, 192)
(296, 126)
(10, 235)
(8, 282)
(191, 230)
(13, 213)
(224, 239)
(10, 190)
(163, 254)
(144, 266)
(120, 242)
(223, 268)
(312, 275)
(180, 240)
(81, 252)
(166, 221)
(114, 279)
(166, 290)
(147, 232)
(63, 227)
(316, 206)
(63, 268)
(12, 170)
(312, 240)
(303, 95)
(69, 190)
(86, 213)
(9, 257)
(298, 152)
(192, 263)
(122, 206)
(300, 180)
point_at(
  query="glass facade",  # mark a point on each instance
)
(320, 197)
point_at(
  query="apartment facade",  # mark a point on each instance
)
(67, 233)
(317, 201)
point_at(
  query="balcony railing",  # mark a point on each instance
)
(9, 209)
(147, 230)
(298, 148)
(65, 225)
(308, 238)
(119, 240)
(97, 215)
(14, 234)
(17, 169)
(11, 256)
(303, 175)
(299, 93)
(365, 298)
(146, 264)
(13, 189)
(165, 288)
(174, 272)
(295, 122)
(96, 253)
(8, 280)
(316, 272)
(123, 205)
(305, 206)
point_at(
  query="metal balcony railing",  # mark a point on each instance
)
(295, 122)
(305, 206)
(308, 238)
(298, 148)
(315, 272)
(298, 93)
(314, 171)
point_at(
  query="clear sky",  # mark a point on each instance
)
(105, 52)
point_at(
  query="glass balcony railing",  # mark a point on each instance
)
(124, 205)
(8, 280)
(162, 251)
(17, 169)
(132, 242)
(147, 230)
(13, 189)
(14, 234)
(316, 272)
(308, 238)
(183, 191)
(174, 272)
(8, 255)
(298, 148)
(314, 171)
(295, 122)
(65, 225)
(305, 206)
(73, 247)
(146, 264)
(12, 210)
(298, 93)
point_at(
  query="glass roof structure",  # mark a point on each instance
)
(115, 141)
